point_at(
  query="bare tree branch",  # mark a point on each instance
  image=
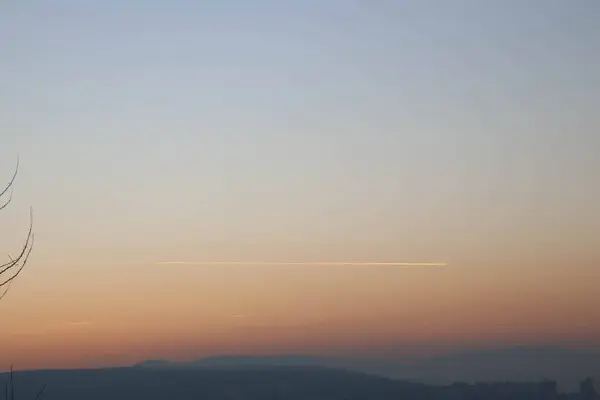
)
(41, 392)
(9, 186)
(7, 202)
(12, 384)
(11, 269)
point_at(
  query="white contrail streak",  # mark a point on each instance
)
(325, 263)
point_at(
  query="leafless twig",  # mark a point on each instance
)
(9, 387)
(9, 187)
(11, 269)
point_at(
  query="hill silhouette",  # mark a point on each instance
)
(518, 364)
(513, 373)
(242, 383)
(264, 383)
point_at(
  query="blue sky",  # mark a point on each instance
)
(313, 114)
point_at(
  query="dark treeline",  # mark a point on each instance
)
(290, 383)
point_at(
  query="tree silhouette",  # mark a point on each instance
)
(12, 268)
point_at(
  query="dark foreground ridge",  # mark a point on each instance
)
(263, 383)
(516, 364)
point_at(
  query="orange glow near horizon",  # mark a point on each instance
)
(191, 313)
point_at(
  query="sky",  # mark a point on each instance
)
(463, 133)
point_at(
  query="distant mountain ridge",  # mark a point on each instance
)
(241, 361)
(566, 366)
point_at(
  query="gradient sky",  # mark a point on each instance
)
(464, 132)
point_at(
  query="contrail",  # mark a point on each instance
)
(325, 263)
